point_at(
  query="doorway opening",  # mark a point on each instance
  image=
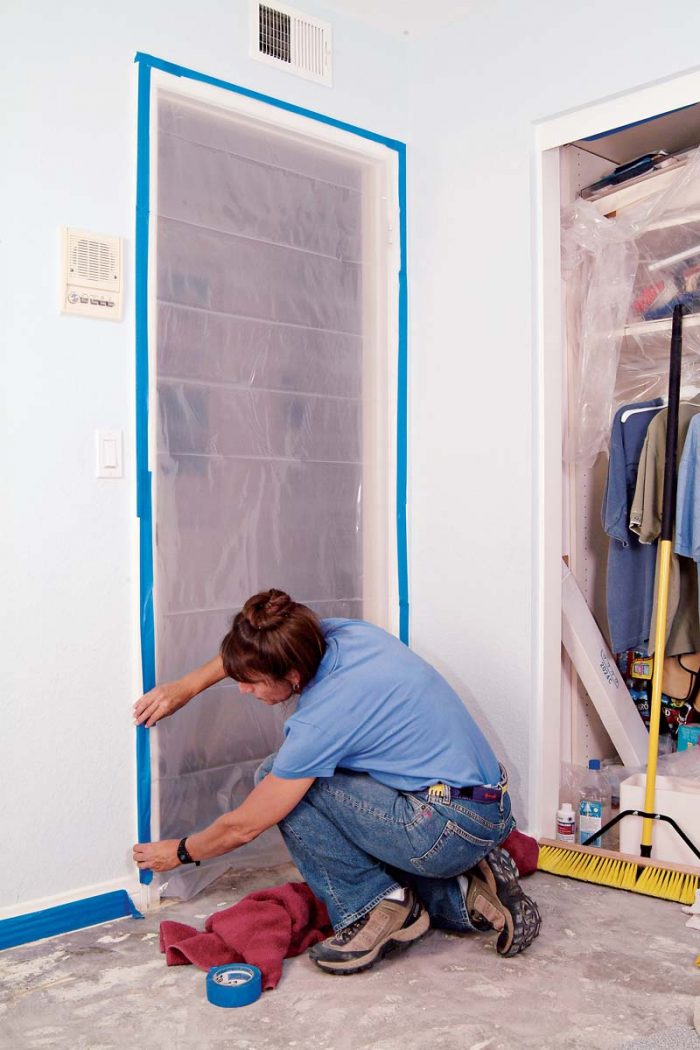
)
(573, 152)
(274, 338)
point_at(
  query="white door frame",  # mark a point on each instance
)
(550, 135)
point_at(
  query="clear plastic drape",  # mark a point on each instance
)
(624, 274)
(259, 448)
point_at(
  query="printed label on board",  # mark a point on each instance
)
(607, 669)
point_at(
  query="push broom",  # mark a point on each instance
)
(643, 874)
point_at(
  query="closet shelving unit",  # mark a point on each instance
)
(584, 542)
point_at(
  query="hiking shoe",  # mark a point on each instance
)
(495, 900)
(392, 924)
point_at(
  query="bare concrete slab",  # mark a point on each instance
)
(608, 967)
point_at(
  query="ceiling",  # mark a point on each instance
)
(403, 17)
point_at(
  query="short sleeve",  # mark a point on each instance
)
(645, 515)
(638, 500)
(307, 751)
(614, 510)
(688, 498)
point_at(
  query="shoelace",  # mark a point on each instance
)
(348, 932)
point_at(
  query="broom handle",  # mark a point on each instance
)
(664, 567)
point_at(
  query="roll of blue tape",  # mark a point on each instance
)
(234, 985)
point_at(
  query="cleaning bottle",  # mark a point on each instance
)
(590, 810)
(566, 823)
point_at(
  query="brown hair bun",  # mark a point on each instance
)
(268, 610)
(272, 636)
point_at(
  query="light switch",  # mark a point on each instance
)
(109, 453)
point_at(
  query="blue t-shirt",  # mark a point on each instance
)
(376, 707)
(631, 564)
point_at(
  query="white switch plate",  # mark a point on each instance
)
(110, 459)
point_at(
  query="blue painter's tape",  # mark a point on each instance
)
(192, 74)
(67, 917)
(402, 412)
(144, 503)
(236, 984)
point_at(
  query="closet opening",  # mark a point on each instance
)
(617, 249)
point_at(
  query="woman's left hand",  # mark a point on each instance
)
(157, 856)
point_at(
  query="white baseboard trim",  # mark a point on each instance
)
(146, 898)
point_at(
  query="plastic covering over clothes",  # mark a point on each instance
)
(259, 449)
(625, 273)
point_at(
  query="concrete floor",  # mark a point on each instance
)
(608, 967)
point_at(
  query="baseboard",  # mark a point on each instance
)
(145, 898)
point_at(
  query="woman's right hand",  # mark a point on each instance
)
(160, 702)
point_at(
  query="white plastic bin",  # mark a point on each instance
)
(676, 797)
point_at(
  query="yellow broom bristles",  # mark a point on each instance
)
(668, 885)
(619, 873)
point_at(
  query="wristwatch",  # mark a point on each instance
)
(183, 854)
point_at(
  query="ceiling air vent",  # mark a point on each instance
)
(289, 39)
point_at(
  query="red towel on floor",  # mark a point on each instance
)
(524, 850)
(263, 929)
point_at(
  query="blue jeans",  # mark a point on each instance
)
(354, 840)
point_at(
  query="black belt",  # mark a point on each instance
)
(477, 793)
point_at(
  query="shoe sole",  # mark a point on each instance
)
(400, 939)
(521, 918)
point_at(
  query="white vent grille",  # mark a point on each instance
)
(289, 39)
(273, 33)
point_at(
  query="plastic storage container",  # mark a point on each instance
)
(677, 797)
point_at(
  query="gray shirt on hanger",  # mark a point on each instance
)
(683, 623)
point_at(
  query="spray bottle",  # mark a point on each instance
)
(566, 823)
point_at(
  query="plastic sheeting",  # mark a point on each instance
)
(259, 448)
(624, 275)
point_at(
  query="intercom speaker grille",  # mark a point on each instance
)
(301, 43)
(92, 260)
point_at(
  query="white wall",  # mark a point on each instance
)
(70, 639)
(476, 90)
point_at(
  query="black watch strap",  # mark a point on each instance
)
(183, 854)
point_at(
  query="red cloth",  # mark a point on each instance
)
(263, 929)
(524, 850)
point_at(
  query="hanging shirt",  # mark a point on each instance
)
(376, 707)
(631, 565)
(683, 624)
(688, 495)
(688, 498)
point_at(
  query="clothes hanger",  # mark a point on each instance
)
(687, 398)
(633, 411)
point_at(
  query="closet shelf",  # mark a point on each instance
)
(631, 193)
(649, 328)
